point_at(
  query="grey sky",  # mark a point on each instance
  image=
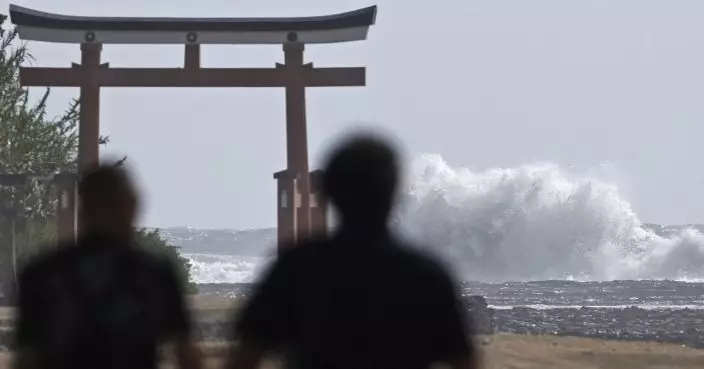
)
(485, 83)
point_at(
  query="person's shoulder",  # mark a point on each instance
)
(292, 257)
(47, 262)
(425, 265)
(148, 259)
(299, 250)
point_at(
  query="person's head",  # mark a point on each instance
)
(109, 202)
(360, 179)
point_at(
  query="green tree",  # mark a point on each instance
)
(33, 142)
(30, 141)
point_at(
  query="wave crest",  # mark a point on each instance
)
(538, 222)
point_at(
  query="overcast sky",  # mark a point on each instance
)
(485, 83)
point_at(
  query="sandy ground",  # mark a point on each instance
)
(506, 351)
(528, 352)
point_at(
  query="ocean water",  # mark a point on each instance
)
(546, 295)
(225, 269)
(230, 275)
(535, 235)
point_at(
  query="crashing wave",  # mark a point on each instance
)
(538, 222)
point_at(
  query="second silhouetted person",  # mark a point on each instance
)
(361, 299)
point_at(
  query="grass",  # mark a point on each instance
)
(509, 351)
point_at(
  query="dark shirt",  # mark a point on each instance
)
(343, 304)
(99, 305)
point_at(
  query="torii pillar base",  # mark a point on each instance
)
(289, 209)
(67, 212)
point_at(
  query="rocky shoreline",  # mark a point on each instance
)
(685, 326)
(679, 326)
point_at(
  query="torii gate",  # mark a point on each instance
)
(296, 211)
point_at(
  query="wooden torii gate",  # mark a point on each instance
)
(294, 196)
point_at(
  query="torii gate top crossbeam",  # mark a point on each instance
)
(34, 25)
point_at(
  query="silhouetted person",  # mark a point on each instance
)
(103, 302)
(361, 299)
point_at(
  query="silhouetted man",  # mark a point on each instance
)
(361, 299)
(103, 302)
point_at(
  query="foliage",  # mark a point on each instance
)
(36, 236)
(152, 241)
(30, 142)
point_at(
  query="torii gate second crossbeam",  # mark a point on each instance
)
(294, 75)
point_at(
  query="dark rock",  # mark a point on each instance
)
(672, 326)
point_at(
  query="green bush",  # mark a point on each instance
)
(152, 241)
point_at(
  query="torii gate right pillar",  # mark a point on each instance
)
(67, 210)
(289, 208)
(297, 131)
